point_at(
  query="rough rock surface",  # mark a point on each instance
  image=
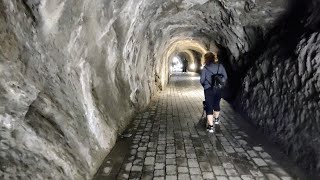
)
(281, 91)
(66, 90)
(73, 72)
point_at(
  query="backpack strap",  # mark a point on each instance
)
(208, 69)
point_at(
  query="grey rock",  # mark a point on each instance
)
(290, 81)
(74, 72)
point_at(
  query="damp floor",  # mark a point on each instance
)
(166, 141)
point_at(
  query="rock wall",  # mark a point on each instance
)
(281, 91)
(69, 84)
(74, 71)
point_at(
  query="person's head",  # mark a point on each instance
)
(209, 58)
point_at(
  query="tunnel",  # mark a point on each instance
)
(81, 78)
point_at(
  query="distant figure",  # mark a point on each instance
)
(212, 87)
(184, 65)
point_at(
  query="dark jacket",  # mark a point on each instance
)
(209, 70)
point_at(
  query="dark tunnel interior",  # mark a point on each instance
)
(75, 73)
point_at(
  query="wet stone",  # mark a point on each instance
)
(280, 171)
(168, 156)
(218, 170)
(256, 173)
(286, 178)
(240, 150)
(247, 177)
(134, 146)
(171, 169)
(205, 166)
(141, 155)
(225, 143)
(151, 145)
(171, 161)
(270, 162)
(131, 158)
(159, 173)
(183, 170)
(160, 158)
(128, 166)
(161, 148)
(147, 176)
(243, 142)
(158, 178)
(148, 168)
(137, 162)
(167, 144)
(133, 151)
(182, 162)
(107, 170)
(264, 169)
(183, 177)
(193, 156)
(229, 149)
(208, 175)
(180, 153)
(235, 178)
(252, 153)
(123, 176)
(227, 165)
(258, 148)
(171, 150)
(222, 178)
(272, 177)
(171, 177)
(193, 163)
(265, 155)
(143, 146)
(231, 172)
(136, 168)
(159, 166)
(194, 170)
(196, 177)
(149, 161)
(260, 162)
(151, 153)
(135, 175)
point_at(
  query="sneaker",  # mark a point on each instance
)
(217, 121)
(210, 129)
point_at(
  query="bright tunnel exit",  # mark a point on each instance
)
(193, 66)
(176, 65)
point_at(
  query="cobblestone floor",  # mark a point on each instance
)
(168, 143)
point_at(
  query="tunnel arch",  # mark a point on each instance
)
(176, 46)
(79, 70)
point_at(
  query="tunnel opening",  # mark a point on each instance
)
(176, 64)
(189, 52)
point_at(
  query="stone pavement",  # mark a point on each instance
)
(168, 143)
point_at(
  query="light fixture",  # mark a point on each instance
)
(192, 66)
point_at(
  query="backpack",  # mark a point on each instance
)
(217, 80)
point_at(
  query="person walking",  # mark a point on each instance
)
(212, 89)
